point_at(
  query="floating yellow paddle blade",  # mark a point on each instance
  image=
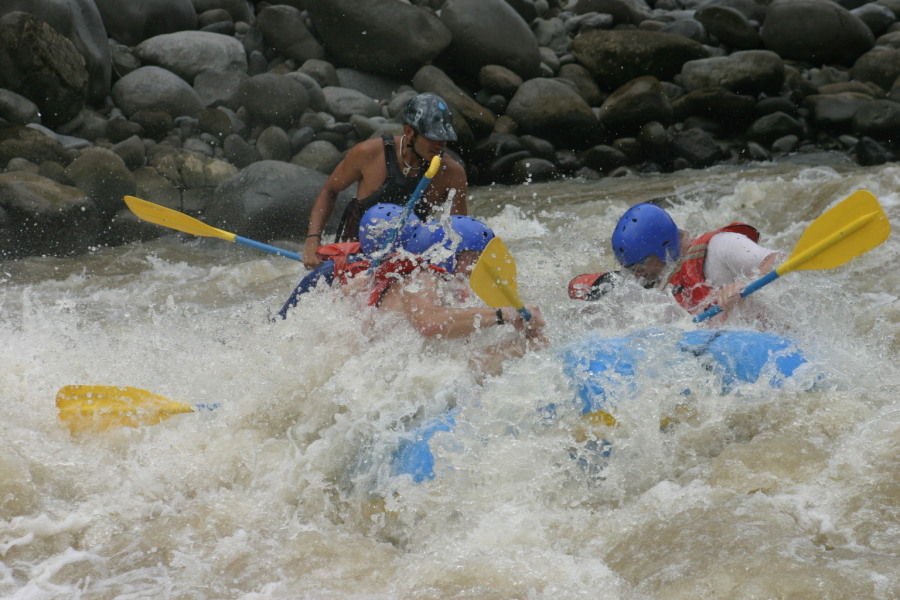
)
(842, 233)
(494, 276)
(160, 215)
(100, 407)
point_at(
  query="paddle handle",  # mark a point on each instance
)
(526, 314)
(388, 245)
(267, 248)
(716, 309)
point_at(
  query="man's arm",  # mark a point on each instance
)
(741, 258)
(344, 175)
(419, 301)
(451, 176)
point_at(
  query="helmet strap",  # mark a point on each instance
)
(406, 166)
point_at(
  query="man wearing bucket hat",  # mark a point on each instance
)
(388, 169)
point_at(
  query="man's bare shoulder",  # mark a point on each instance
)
(451, 164)
(369, 147)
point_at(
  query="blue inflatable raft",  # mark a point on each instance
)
(603, 372)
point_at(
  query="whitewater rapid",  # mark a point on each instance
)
(285, 490)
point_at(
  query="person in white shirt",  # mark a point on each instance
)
(702, 270)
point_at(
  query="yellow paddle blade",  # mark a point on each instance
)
(842, 233)
(160, 215)
(494, 276)
(99, 407)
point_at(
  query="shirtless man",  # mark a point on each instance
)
(388, 169)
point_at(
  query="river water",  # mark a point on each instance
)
(285, 490)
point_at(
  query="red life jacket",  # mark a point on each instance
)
(391, 271)
(341, 253)
(689, 284)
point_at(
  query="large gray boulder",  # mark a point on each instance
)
(489, 32)
(877, 17)
(375, 86)
(748, 72)
(727, 108)
(379, 36)
(879, 119)
(103, 176)
(637, 102)
(834, 112)
(40, 64)
(283, 28)
(269, 200)
(219, 88)
(616, 57)
(768, 128)
(554, 110)
(815, 31)
(189, 53)
(730, 26)
(18, 109)
(17, 141)
(273, 99)
(80, 22)
(881, 67)
(155, 87)
(240, 10)
(753, 10)
(468, 116)
(129, 22)
(624, 12)
(41, 217)
(343, 103)
(696, 147)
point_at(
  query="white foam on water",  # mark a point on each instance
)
(286, 489)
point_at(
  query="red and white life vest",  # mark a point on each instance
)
(689, 284)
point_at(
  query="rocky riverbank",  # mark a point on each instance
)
(235, 112)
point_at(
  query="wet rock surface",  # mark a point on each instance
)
(235, 112)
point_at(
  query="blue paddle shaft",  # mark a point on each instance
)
(407, 210)
(388, 246)
(525, 313)
(267, 248)
(715, 310)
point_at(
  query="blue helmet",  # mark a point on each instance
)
(643, 230)
(378, 222)
(440, 248)
(474, 234)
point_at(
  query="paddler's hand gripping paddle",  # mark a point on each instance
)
(494, 278)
